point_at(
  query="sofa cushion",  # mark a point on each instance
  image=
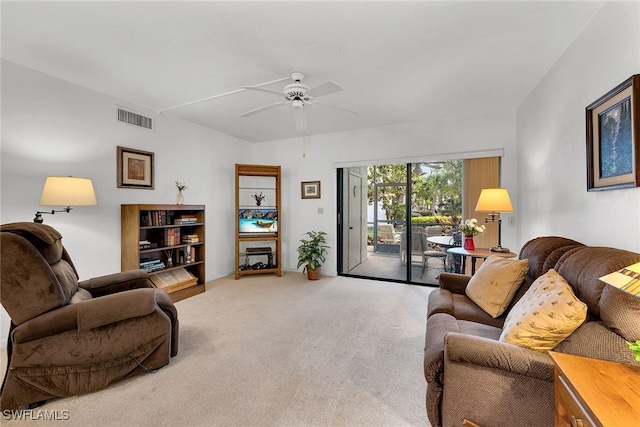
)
(593, 339)
(547, 313)
(495, 283)
(620, 312)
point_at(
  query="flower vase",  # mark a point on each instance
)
(180, 198)
(468, 243)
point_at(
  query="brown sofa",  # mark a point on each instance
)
(472, 375)
(66, 337)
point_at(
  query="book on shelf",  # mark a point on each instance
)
(152, 265)
(173, 280)
(190, 239)
(185, 219)
(148, 246)
(187, 255)
(171, 236)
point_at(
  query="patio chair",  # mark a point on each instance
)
(455, 261)
(428, 253)
(387, 233)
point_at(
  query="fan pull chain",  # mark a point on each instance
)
(304, 143)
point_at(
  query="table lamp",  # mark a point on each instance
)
(66, 191)
(495, 200)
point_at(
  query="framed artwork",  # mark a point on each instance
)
(310, 189)
(613, 130)
(136, 168)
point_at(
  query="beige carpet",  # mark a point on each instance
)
(269, 351)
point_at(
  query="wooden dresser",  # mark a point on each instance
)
(592, 392)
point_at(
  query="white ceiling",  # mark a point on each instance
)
(397, 61)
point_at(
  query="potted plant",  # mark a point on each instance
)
(311, 253)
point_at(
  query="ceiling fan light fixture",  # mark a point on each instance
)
(296, 103)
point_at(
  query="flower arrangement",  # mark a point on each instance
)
(181, 185)
(470, 227)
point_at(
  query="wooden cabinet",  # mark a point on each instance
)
(258, 215)
(164, 239)
(592, 392)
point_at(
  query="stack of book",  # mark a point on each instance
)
(185, 219)
(145, 244)
(152, 265)
(173, 280)
(190, 238)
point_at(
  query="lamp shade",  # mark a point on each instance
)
(68, 191)
(494, 200)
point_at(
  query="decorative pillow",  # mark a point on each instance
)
(545, 315)
(495, 283)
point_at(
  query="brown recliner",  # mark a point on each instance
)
(69, 337)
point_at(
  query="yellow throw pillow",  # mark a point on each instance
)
(545, 315)
(495, 283)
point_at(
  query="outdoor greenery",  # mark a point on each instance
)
(437, 194)
(635, 349)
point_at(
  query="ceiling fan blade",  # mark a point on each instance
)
(261, 109)
(324, 89)
(263, 90)
(324, 104)
(300, 117)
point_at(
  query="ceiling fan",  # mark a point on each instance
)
(426, 167)
(299, 96)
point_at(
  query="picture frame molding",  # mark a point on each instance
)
(630, 88)
(305, 189)
(148, 180)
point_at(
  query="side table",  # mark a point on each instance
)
(482, 253)
(593, 392)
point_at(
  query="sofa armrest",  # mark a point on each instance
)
(116, 307)
(496, 384)
(116, 282)
(54, 322)
(494, 354)
(454, 282)
(88, 315)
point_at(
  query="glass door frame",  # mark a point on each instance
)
(340, 177)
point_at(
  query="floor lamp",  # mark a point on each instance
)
(495, 200)
(66, 191)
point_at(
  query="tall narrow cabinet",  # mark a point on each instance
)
(258, 216)
(167, 241)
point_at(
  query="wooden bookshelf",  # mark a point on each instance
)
(164, 227)
(258, 225)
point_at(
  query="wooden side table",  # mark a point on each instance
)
(592, 392)
(482, 253)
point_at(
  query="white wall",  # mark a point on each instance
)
(551, 137)
(488, 131)
(52, 127)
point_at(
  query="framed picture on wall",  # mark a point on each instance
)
(310, 189)
(135, 168)
(613, 131)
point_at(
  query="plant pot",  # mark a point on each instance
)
(312, 274)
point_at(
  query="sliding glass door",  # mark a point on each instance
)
(388, 214)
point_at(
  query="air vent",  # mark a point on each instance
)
(132, 118)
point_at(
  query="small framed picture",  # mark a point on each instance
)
(310, 189)
(613, 131)
(135, 169)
